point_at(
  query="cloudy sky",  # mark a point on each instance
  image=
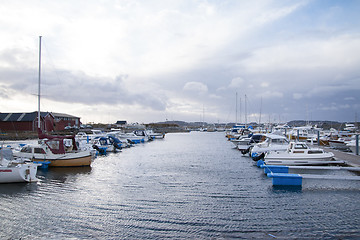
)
(156, 60)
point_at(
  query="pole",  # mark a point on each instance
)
(357, 144)
(298, 132)
(39, 82)
(318, 138)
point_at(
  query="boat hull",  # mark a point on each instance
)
(67, 162)
(20, 173)
(300, 162)
(308, 159)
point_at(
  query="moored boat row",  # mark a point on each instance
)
(20, 162)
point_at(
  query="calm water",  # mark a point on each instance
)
(189, 185)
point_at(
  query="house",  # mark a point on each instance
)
(26, 121)
(63, 120)
(29, 121)
(120, 123)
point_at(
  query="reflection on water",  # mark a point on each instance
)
(61, 174)
(190, 186)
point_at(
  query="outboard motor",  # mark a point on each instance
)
(102, 151)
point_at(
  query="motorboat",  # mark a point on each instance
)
(83, 136)
(106, 144)
(16, 170)
(60, 151)
(299, 153)
(340, 144)
(154, 135)
(273, 142)
(246, 144)
(303, 133)
(236, 132)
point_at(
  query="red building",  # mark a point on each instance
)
(26, 121)
(29, 121)
(63, 120)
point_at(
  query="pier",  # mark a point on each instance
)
(283, 175)
(350, 158)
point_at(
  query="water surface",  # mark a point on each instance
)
(186, 186)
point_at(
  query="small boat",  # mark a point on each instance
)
(273, 142)
(154, 135)
(106, 144)
(299, 153)
(16, 170)
(246, 144)
(60, 151)
(339, 144)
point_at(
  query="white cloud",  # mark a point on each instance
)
(237, 82)
(197, 87)
(139, 54)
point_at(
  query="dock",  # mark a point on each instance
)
(350, 158)
(282, 175)
(290, 179)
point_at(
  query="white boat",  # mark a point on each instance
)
(154, 135)
(236, 132)
(273, 142)
(60, 151)
(299, 153)
(106, 144)
(83, 136)
(340, 144)
(245, 145)
(12, 171)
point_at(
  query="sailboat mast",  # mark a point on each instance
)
(236, 115)
(245, 112)
(260, 111)
(39, 82)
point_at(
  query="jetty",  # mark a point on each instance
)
(350, 158)
(287, 176)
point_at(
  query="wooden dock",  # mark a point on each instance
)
(350, 158)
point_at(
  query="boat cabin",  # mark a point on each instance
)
(299, 147)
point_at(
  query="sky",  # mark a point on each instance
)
(216, 61)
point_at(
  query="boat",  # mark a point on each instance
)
(299, 153)
(303, 133)
(339, 144)
(154, 135)
(106, 144)
(60, 151)
(237, 131)
(246, 144)
(16, 170)
(273, 142)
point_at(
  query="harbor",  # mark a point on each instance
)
(186, 185)
(179, 120)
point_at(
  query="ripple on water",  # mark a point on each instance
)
(191, 185)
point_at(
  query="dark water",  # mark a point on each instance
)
(187, 186)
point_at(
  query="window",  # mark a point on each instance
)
(26, 149)
(53, 144)
(39, 150)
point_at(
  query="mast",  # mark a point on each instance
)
(240, 112)
(39, 82)
(260, 110)
(245, 112)
(236, 109)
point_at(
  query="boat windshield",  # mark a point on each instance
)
(300, 146)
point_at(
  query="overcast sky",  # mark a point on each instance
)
(156, 60)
